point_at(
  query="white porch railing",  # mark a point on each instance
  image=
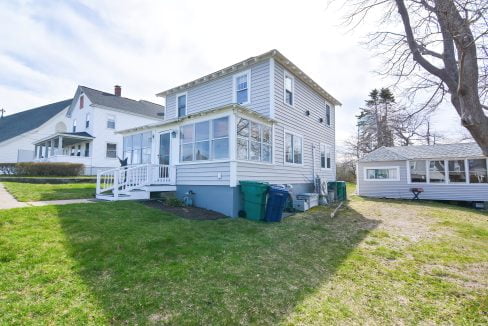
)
(124, 179)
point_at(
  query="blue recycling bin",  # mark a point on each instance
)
(277, 197)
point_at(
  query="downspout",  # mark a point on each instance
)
(313, 169)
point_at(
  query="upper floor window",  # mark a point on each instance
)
(293, 148)
(74, 125)
(254, 141)
(181, 105)
(327, 114)
(289, 89)
(82, 102)
(87, 121)
(325, 157)
(383, 174)
(241, 87)
(206, 140)
(111, 122)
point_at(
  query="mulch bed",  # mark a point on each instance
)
(191, 213)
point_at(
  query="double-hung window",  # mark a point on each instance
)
(111, 150)
(293, 148)
(254, 141)
(87, 121)
(241, 88)
(74, 125)
(181, 105)
(325, 156)
(205, 140)
(327, 114)
(111, 122)
(289, 87)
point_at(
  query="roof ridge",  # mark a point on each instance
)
(36, 108)
(122, 97)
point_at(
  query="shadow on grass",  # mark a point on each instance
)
(145, 266)
(40, 192)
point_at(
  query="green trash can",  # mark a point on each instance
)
(254, 193)
(341, 190)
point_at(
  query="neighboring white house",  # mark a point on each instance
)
(19, 131)
(260, 119)
(90, 138)
(457, 172)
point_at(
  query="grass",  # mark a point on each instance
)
(125, 263)
(37, 192)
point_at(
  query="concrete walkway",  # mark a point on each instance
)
(7, 201)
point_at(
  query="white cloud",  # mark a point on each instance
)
(147, 46)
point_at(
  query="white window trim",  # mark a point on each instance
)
(286, 131)
(328, 149)
(287, 74)
(109, 116)
(365, 175)
(446, 171)
(116, 150)
(186, 104)
(270, 125)
(234, 88)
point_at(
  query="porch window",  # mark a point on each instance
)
(181, 102)
(254, 141)
(325, 157)
(137, 148)
(241, 87)
(384, 174)
(111, 150)
(289, 89)
(293, 148)
(457, 171)
(205, 140)
(418, 171)
(478, 172)
(437, 171)
(74, 125)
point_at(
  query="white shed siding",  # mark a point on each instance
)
(294, 119)
(401, 189)
(203, 174)
(219, 92)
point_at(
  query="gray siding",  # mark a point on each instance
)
(203, 174)
(401, 189)
(219, 92)
(294, 119)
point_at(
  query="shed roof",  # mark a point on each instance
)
(440, 151)
(22, 122)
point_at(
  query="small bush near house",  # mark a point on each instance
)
(49, 169)
(7, 168)
(174, 202)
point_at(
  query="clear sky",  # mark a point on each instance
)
(48, 47)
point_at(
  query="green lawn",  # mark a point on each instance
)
(377, 262)
(36, 192)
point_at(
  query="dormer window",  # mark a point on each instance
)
(241, 88)
(82, 101)
(289, 87)
(181, 105)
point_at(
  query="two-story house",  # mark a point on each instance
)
(260, 119)
(88, 135)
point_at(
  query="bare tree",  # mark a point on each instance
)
(440, 49)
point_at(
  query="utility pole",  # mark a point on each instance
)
(2, 110)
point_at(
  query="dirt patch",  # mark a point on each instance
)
(191, 213)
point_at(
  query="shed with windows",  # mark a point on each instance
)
(445, 172)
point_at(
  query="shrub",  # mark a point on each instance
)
(174, 202)
(7, 168)
(49, 169)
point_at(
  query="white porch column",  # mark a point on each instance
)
(52, 147)
(60, 145)
(46, 149)
(35, 151)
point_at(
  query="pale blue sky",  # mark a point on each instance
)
(49, 47)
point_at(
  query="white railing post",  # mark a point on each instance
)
(98, 183)
(172, 175)
(150, 174)
(116, 184)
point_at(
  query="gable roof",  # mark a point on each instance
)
(232, 69)
(112, 101)
(441, 151)
(22, 122)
